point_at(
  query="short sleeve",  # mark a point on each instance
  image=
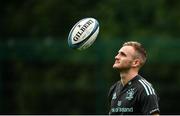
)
(149, 103)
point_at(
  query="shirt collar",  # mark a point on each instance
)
(133, 79)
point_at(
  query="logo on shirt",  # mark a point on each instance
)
(114, 96)
(119, 103)
(130, 94)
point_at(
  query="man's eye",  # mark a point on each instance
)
(123, 54)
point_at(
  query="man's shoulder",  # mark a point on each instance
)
(112, 88)
(114, 85)
(145, 86)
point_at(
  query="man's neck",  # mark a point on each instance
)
(127, 76)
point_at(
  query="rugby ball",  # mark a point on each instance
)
(83, 34)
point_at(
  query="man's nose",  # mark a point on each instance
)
(117, 56)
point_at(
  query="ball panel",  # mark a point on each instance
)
(82, 30)
(90, 40)
(70, 34)
(83, 33)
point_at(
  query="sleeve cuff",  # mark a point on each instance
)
(154, 111)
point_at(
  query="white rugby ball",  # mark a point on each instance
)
(83, 34)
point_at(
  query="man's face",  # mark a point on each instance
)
(124, 58)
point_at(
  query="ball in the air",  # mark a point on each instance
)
(83, 34)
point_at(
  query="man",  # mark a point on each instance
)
(132, 94)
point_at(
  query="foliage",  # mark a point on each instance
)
(41, 75)
(54, 18)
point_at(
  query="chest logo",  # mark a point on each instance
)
(114, 96)
(119, 103)
(130, 94)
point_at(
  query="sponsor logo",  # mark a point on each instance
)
(122, 109)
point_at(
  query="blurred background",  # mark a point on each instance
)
(40, 74)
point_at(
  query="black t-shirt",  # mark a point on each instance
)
(136, 97)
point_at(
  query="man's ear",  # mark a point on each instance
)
(136, 62)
